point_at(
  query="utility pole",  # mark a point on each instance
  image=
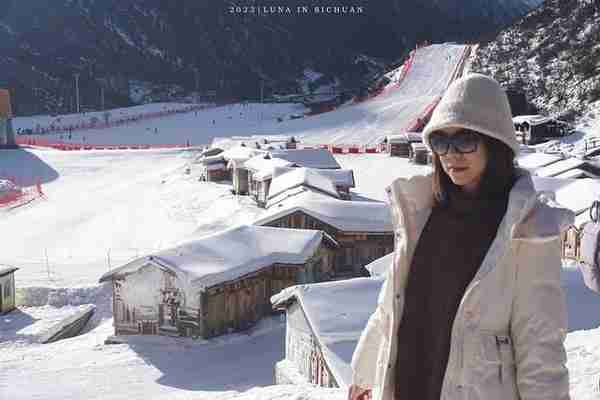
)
(77, 90)
(262, 84)
(102, 97)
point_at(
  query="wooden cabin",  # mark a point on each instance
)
(289, 182)
(419, 154)
(7, 289)
(216, 284)
(260, 173)
(239, 177)
(213, 168)
(362, 229)
(571, 238)
(342, 179)
(532, 129)
(236, 158)
(400, 145)
(324, 322)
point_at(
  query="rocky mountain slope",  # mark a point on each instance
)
(552, 54)
(216, 46)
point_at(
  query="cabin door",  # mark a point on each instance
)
(168, 309)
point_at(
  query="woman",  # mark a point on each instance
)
(472, 307)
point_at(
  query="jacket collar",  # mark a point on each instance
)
(529, 215)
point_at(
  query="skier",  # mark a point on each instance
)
(472, 306)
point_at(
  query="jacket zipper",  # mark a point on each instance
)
(499, 357)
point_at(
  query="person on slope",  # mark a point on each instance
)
(472, 306)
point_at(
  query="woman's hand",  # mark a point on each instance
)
(357, 393)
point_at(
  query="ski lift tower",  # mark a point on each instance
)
(7, 135)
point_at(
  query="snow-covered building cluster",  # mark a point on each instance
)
(309, 232)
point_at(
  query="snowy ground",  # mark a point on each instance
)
(103, 208)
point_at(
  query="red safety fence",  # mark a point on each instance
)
(20, 196)
(405, 68)
(419, 123)
(59, 145)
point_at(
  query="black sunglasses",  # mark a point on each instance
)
(463, 141)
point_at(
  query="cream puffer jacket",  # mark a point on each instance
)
(508, 333)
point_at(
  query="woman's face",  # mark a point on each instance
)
(464, 169)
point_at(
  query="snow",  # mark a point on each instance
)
(302, 177)
(379, 267)
(532, 120)
(339, 177)
(106, 208)
(33, 324)
(337, 313)
(263, 167)
(310, 158)
(559, 167)
(224, 256)
(345, 215)
(532, 161)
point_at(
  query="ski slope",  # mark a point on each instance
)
(365, 123)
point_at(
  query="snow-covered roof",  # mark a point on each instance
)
(531, 119)
(250, 141)
(345, 215)
(7, 270)
(574, 194)
(310, 158)
(241, 153)
(337, 313)
(579, 194)
(230, 254)
(263, 167)
(302, 177)
(215, 166)
(405, 137)
(379, 267)
(536, 160)
(211, 159)
(559, 167)
(418, 146)
(339, 177)
(212, 151)
(572, 174)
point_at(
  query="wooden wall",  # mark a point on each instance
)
(239, 304)
(7, 293)
(227, 307)
(240, 180)
(357, 249)
(303, 351)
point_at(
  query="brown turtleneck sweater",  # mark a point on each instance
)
(450, 250)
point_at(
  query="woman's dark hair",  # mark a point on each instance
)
(498, 177)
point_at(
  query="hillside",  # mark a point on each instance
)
(552, 54)
(212, 46)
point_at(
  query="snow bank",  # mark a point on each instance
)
(7, 187)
